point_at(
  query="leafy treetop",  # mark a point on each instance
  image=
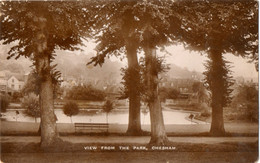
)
(232, 24)
(67, 23)
(123, 22)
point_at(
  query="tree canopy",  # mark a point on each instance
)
(233, 23)
(217, 28)
(36, 30)
(70, 109)
(67, 24)
(122, 20)
(86, 92)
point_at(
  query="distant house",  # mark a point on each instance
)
(182, 85)
(68, 82)
(16, 83)
(11, 82)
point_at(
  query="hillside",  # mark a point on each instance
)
(182, 73)
(73, 65)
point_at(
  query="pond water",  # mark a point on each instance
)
(116, 116)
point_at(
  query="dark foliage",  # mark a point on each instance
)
(33, 83)
(16, 97)
(70, 109)
(31, 104)
(108, 106)
(196, 87)
(168, 93)
(86, 93)
(227, 79)
(131, 77)
(159, 66)
(4, 100)
(246, 102)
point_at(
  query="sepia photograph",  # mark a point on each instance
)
(134, 81)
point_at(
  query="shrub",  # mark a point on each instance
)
(16, 97)
(70, 109)
(31, 104)
(168, 93)
(252, 112)
(245, 101)
(108, 106)
(205, 113)
(86, 93)
(4, 100)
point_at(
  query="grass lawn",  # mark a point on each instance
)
(132, 157)
(235, 129)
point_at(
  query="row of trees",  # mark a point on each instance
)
(124, 29)
(213, 28)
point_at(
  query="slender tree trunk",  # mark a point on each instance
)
(48, 128)
(134, 121)
(39, 130)
(158, 133)
(217, 90)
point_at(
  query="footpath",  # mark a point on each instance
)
(24, 128)
(130, 139)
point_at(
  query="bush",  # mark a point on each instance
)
(108, 106)
(245, 101)
(32, 106)
(168, 93)
(4, 100)
(205, 113)
(16, 96)
(70, 109)
(86, 93)
(252, 112)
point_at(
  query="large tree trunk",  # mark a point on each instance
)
(42, 61)
(48, 126)
(158, 133)
(134, 123)
(217, 90)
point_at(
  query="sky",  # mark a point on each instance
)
(193, 61)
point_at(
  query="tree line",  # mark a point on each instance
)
(126, 29)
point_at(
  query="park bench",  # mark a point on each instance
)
(97, 127)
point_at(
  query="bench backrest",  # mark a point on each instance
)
(91, 124)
